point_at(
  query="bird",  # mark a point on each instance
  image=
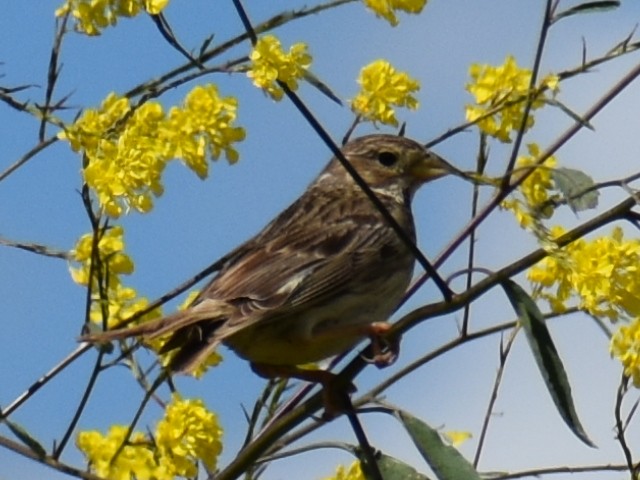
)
(322, 276)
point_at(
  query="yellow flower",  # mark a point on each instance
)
(126, 150)
(119, 302)
(92, 16)
(386, 8)
(505, 87)
(125, 158)
(110, 253)
(155, 7)
(189, 433)
(533, 192)
(603, 274)
(457, 437)
(382, 88)
(354, 472)
(203, 125)
(625, 345)
(271, 63)
(136, 460)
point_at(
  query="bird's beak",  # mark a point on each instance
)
(431, 166)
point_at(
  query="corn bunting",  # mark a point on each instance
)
(324, 274)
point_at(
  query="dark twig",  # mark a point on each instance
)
(620, 431)
(36, 248)
(81, 406)
(147, 396)
(533, 93)
(369, 465)
(52, 74)
(504, 353)
(166, 31)
(28, 156)
(46, 460)
(43, 380)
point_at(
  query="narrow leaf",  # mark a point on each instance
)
(573, 115)
(546, 356)
(323, 87)
(588, 7)
(571, 184)
(26, 438)
(391, 468)
(445, 461)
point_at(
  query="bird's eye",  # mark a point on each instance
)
(387, 158)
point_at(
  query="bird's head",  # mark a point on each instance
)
(390, 163)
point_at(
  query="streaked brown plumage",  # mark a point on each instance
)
(317, 279)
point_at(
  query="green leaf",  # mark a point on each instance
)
(588, 7)
(573, 115)
(391, 468)
(546, 356)
(26, 438)
(323, 87)
(571, 184)
(445, 461)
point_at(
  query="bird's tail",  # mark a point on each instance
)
(192, 333)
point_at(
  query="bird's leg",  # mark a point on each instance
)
(385, 351)
(334, 388)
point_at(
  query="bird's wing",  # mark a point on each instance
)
(305, 269)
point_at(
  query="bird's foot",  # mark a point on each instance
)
(385, 350)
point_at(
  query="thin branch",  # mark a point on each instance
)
(481, 164)
(52, 74)
(369, 464)
(43, 380)
(538, 472)
(26, 452)
(544, 30)
(268, 25)
(28, 156)
(145, 400)
(166, 31)
(81, 406)
(620, 431)
(584, 66)
(504, 354)
(36, 248)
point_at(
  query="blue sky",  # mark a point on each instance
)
(196, 222)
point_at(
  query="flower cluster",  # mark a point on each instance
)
(501, 93)
(387, 8)
(382, 88)
(110, 255)
(603, 273)
(532, 196)
(94, 15)
(126, 149)
(137, 455)
(187, 434)
(114, 302)
(625, 346)
(270, 63)
(354, 472)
